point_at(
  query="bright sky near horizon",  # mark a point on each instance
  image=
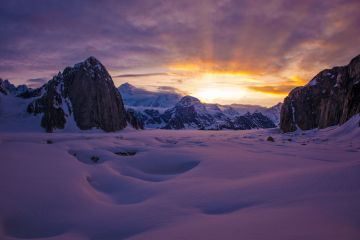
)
(224, 51)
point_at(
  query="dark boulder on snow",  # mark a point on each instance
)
(332, 97)
(270, 139)
(85, 93)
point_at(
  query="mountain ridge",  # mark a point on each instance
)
(85, 97)
(191, 113)
(153, 116)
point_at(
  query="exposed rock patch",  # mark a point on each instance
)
(134, 119)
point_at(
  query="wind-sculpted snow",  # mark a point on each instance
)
(166, 184)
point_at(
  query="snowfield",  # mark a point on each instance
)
(164, 184)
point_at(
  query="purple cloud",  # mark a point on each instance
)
(39, 38)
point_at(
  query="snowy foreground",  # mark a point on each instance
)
(160, 184)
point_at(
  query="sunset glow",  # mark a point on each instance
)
(180, 119)
(227, 51)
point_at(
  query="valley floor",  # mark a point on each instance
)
(160, 184)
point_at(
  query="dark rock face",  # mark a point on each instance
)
(154, 116)
(2, 87)
(134, 119)
(255, 120)
(85, 92)
(30, 93)
(330, 98)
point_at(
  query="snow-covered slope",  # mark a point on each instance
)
(273, 113)
(158, 184)
(14, 117)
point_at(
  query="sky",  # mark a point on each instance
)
(224, 51)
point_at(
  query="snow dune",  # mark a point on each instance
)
(162, 184)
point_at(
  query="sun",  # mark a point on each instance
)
(208, 95)
(220, 94)
(213, 89)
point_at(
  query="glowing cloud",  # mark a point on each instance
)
(217, 49)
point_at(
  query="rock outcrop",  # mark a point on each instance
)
(2, 87)
(134, 119)
(330, 98)
(250, 121)
(85, 93)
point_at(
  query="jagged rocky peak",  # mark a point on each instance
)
(6, 87)
(332, 97)
(84, 93)
(90, 67)
(188, 101)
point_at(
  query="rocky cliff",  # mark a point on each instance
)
(330, 98)
(84, 93)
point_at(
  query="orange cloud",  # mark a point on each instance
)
(273, 90)
(282, 88)
(297, 81)
(211, 68)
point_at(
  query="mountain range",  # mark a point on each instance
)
(171, 110)
(84, 97)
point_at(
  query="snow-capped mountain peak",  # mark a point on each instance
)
(139, 97)
(188, 101)
(127, 88)
(6, 87)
